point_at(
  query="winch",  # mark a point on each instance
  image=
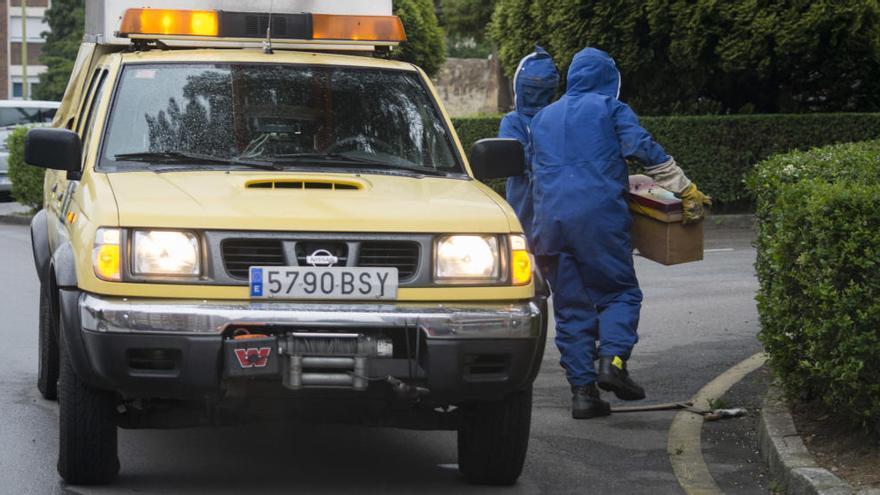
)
(306, 359)
(323, 360)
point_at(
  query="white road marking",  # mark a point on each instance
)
(719, 250)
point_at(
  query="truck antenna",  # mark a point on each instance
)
(267, 43)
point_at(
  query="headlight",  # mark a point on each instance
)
(468, 257)
(162, 252)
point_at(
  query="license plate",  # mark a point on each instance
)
(296, 282)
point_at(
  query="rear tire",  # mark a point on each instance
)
(87, 445)
(47, 373)
(493, 439)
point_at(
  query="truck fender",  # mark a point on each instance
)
(64, 267)
(71, 339)
(40, 245)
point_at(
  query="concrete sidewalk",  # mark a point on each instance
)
(14, 213)
(12, 208)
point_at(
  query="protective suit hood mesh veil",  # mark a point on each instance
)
(593, 71)
(535, 82)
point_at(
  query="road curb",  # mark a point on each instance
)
(744, 221)
(684, 444)
(16, 219)
(789, 461)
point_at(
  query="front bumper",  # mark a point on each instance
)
(460, 352)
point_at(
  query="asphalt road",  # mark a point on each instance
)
(698, 319)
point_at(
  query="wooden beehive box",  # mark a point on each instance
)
(657, 231)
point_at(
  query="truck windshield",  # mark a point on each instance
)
(275, 116)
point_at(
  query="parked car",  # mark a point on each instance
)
(14, 113)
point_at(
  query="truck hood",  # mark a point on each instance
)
(305, 202)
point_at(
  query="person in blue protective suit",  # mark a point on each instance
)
(580, 145)
(534, 87)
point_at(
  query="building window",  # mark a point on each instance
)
(17, 90)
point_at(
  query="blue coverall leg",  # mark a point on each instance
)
(577, 322)
(618, 321)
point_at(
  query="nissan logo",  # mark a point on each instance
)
(322, 257)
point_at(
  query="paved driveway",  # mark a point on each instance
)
(698, 320)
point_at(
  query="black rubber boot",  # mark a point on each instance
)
(586, 404)
(613, 377)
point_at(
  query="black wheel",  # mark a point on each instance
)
(493, 439)
(87, 444)
(47, 374)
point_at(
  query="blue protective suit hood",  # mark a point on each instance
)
(593, 71)
(535, 82)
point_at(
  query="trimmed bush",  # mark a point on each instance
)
(718, 151)
(425, 43)
(818, 266)
(698, 56)
(27, 181)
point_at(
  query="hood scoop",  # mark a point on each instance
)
(332, 185)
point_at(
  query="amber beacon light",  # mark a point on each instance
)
(357, 28)
(222, 24)
(171, 22)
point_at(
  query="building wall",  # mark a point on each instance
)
(11, 41)
(4, 52)
(471, 86)
(30, 3)
(35, 51)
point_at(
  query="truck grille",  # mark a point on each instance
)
(402, 255)
(241, 254)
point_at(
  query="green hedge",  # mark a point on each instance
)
(27, 181)
(718, 151)
(819, 271)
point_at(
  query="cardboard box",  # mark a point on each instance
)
(657, 231)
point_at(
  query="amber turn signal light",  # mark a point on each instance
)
(520, 261)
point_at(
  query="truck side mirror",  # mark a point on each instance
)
(497, 159)
(56, 149)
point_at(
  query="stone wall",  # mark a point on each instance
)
(471, 86)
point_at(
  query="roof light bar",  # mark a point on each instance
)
(221, 24)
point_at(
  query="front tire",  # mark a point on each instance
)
(493, 439)
(87, 445)
(47, 373)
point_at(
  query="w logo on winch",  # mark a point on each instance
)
(253, 357)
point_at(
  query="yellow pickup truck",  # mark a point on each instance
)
(249, 214)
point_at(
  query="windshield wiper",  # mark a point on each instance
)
(184, 158)
(332, 159)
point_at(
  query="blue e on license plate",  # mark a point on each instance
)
(298, 282)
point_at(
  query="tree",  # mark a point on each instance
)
(66, 19)
(467, 17)
(425, 45)
(466, 23)
(698, 56)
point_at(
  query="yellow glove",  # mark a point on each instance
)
(692, 203)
